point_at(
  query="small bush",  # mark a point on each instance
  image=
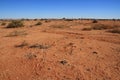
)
(47, 21)
(39, 23)
(86, 29)
(98, 27)
(23, 44)
(68, 19)
(30, 55)
(16, 33)
(35, 19)
(39, 46)
(2, 24)
(59, 26)
(115, 31)
(15, 24)
(94, 21)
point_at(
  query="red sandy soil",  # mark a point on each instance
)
(66, 53)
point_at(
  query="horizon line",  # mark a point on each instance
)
(57, 18)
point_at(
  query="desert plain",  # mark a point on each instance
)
(60, 49)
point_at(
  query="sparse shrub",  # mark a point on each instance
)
(94, 21)
(31, 26)
(47, 21)
(30, 55)
(59, 26)
(15, 24)
(2, 24)
(116, 26)
(16, 33)
(64, 18)
(86, 29)
(101, 27)
(68, 19)
(22, 19)
(115, 31)
(39, 23)
(98, 27)
(23, 44)
(27, 19)
(104, 26)
(35, 19)
(39, 46)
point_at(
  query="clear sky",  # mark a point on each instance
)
(60, 8)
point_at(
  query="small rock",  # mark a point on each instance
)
(95, 52)
(63, 62)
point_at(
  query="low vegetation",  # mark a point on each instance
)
(34, 46)
(68, 19)
(59, 26)
(23, 44)
(16, 33)
(115, 30)
(101, 27)
(35, 19)
(3, 24)
(39, 46)
(86, 29)
(30, 56)
(38, 23)
(94, 21)
(15, 24)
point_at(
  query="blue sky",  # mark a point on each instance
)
(59, 8)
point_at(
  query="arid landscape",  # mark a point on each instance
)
(60, 49)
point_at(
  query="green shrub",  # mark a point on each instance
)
(15, 24)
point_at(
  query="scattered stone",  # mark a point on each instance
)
(63, 62)
(88, 69)
(48, 68)
(95, 52)
(70, 44)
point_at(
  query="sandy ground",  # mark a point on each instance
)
(44, 52)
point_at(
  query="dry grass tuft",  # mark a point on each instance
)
(117, 30)
(38, 23)
(16, 33)
(39, 46)
(30, 56)
(101, 27)
(59, 26)
(23, 44)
